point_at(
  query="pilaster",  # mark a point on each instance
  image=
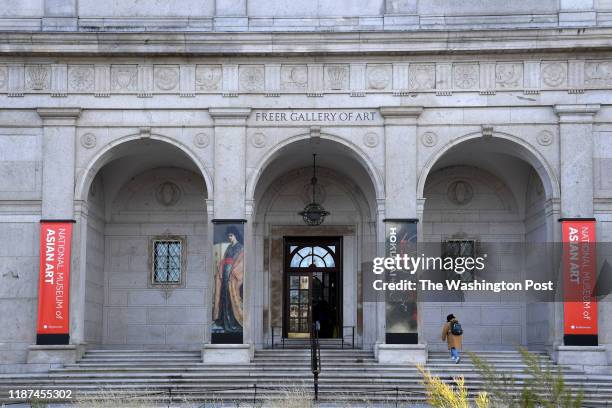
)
(58, 162)
(230, 161)
(576, 139)
(400, 160)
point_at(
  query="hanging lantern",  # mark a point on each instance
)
(314, 213)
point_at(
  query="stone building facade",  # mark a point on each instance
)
(141, 120)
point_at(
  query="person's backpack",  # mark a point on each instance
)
(456, 328)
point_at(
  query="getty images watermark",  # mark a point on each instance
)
(457, 265)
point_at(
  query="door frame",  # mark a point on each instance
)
(339, 270)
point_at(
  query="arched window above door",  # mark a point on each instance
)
(319, 256)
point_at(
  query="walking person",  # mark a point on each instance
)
(452, 332)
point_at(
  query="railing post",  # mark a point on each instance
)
(272, 336)
(254, 395)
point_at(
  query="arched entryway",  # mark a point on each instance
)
(290, 295)
(146, 280)
(495, 196)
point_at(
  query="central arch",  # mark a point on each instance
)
(279, 187)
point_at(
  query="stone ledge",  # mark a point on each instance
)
(401, 353)
(302, 43)
(226, 354)
(590, 359)
(53, 354)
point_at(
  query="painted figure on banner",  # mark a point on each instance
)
(228, 256)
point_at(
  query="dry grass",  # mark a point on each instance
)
(442, 395)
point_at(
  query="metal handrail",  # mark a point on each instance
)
(352, 335)
(281, 335)
(315, 358)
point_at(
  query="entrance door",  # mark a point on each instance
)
(313, 275)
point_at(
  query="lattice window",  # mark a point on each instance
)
(167, 261)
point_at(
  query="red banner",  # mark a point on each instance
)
(54, 278)
(579, 276)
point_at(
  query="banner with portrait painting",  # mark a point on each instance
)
(400, 306)
(228, 271)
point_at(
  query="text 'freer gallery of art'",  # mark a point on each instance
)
(275, 203)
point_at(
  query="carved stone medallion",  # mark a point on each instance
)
(251, 78)
(88, 140)
(554, 74)
(3, 77)
(80, 78)
(465, 76)
(422, 76)
(545, 138)
(168, 194)
(166, 78)
(460, 192)
(37, 77)
(258, 140)
(379, 76)
(598, 73)
(208, 77)
(124, 78)
(429, 139)
(509, 75)
(201, 140)
(294, 77)
(336, 76)
(370, 139)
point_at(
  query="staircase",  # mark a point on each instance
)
(347, 375)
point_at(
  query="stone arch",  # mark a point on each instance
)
(523, 150)
(346, 184)
(104, 156)
(375, 176)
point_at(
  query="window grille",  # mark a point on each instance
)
(167, 261)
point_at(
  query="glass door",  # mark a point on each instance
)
(299, 305)
(312, 287)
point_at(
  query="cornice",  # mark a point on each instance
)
(310, 43)
(59, 116)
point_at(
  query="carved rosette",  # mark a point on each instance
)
(201, 140)
(88, 140)
(545, 138)
(465, 76)
(258, 140)
(81, 78)
(251, 78)
(429, 139)
(370, 139)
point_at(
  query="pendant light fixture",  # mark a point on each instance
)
(314, 213)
